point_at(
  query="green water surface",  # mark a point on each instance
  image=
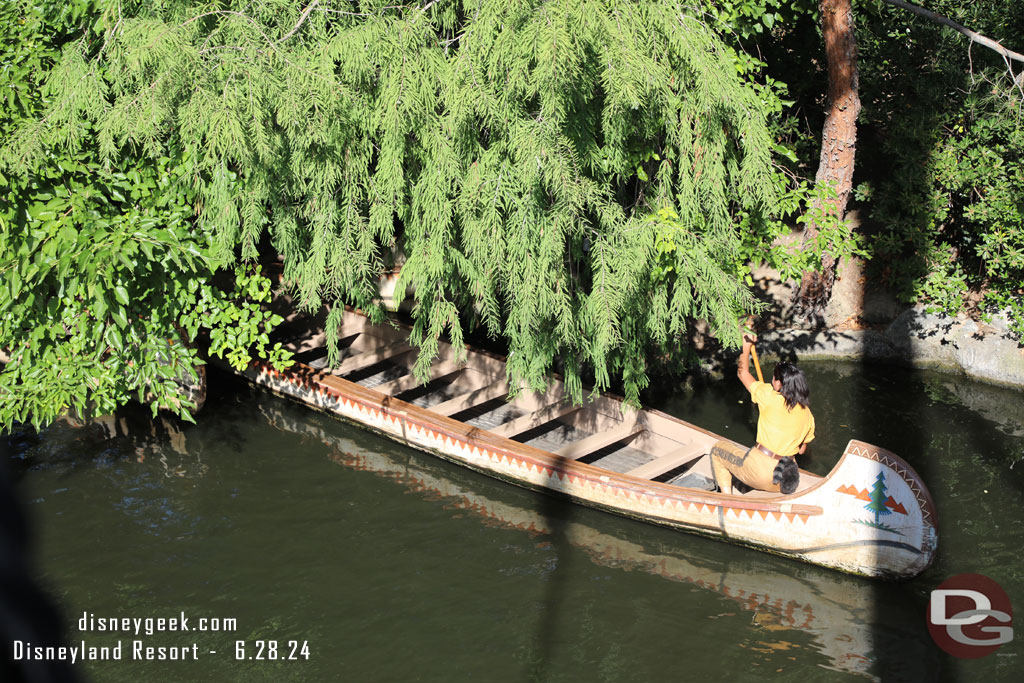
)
(391, 565)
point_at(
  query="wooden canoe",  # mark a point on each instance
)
(642, 464)
(836, 611)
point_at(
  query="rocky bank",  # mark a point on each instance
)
(865, 322)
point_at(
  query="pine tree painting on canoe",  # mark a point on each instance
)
(878, 505)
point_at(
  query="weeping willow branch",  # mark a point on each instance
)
(514, 170)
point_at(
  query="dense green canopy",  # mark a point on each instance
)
(514, 153)
(106, 279)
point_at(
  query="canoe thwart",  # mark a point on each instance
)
(372, 357)
(471, 399)
(534, 419)
(596, 442)
(407, 382)
(666, 463)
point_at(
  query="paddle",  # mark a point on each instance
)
(757, 364)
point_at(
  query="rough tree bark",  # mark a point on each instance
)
(838, 145)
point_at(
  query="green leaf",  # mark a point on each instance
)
(114, 339)
(99, 306)
(119, 317)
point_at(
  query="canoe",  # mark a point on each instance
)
(842, 617)
(871, 515)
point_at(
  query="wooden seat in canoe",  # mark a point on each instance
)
(595, 442)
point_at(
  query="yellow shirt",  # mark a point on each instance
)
(780, 429)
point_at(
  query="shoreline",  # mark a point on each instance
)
(865, 322)
(916, 338)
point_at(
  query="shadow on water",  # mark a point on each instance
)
(27, 615)
(954, 432)
(904, 433)
(557, 514)
(913, 656)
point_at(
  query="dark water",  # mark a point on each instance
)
(394, 566)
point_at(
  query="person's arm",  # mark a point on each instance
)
(744, 363)
(803, 448)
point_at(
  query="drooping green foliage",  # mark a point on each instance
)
(105, 277)
(511, 155)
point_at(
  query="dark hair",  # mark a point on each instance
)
(794, 385)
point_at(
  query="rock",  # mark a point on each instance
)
(917, 338)
(995, 357)
(825, 344)
(926, 338)
(1001, 321)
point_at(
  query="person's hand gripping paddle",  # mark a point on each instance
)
(748, 334)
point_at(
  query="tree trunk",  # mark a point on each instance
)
(838, 144)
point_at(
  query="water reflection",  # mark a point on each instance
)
(855, 624)
(131, 430)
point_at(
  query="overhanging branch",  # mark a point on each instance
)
(975, 37)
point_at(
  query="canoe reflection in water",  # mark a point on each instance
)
(840, 613)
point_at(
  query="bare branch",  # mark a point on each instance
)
(302, 19)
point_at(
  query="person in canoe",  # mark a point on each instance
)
(785, 426)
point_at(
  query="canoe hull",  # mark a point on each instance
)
(871, 516)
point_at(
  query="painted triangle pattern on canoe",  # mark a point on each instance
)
(865, 495)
